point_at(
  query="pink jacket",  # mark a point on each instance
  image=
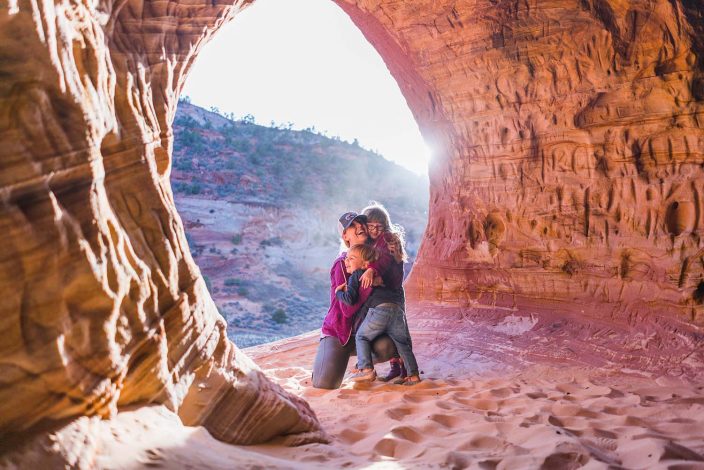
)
(340, 318)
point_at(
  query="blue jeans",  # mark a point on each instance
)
(389, 319)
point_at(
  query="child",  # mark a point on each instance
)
(389, 238)
(385, 315)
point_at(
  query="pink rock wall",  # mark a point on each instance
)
(567, 181)
(102, 304)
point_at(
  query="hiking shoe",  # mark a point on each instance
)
(411, 380)
(363, 375)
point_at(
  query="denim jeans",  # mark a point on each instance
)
(389, 319)
(332, 357)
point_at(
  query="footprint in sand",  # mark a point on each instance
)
(408, 433)
(565, 409)
(399, 412)
(446, 420)
(481, 442)
(443, 405)
(584, 413)
(390, 447)
(458, 460)
(346, 394)
(413, 398)
(483, 405)
(531, 421)
(606, 443)
(563, 460)
(605, 434)
(351, 436)
(503, 392)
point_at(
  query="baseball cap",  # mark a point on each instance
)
(347, 218)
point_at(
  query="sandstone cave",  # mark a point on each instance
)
(564, 221)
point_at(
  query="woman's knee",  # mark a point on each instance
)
(330, 364)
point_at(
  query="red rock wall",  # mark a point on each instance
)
(568, 177)
(102, 305)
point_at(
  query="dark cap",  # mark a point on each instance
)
(347, 218)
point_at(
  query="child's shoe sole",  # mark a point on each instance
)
(364, 376)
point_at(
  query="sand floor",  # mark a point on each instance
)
(479, 415)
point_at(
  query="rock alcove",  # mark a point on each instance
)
(567, 188)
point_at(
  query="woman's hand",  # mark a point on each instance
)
(341, 287)
(367, 279)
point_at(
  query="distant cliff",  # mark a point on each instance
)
(260, 206)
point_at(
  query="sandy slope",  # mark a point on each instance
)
(478, 415)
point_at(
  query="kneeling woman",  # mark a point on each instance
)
(337, 341)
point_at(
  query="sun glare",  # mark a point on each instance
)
(307, 64)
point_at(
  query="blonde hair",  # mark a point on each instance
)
(367, 252)
(377, 213)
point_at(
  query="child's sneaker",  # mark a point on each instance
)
(363, 375)
(410, 380)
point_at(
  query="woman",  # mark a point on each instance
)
(337, 342)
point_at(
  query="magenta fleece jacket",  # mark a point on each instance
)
(340, 318)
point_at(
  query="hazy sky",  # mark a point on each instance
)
(305, 62)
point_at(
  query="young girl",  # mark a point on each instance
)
(388, 239)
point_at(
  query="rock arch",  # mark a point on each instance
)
(564, 137)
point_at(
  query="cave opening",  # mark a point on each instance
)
(260, 202)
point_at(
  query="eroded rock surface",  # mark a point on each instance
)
(567, 178)
(102, 305)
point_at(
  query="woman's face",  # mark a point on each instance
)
(355, 234)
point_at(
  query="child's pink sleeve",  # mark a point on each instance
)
(382, 264)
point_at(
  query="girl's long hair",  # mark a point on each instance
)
(377, 213)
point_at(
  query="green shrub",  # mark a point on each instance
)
(279, 316)
(275, 241)
(194, 188)
(242, 291)
(231, 281)
(237, 239)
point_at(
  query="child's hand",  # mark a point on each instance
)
(367, 279)
(341, 287)
(395, 249)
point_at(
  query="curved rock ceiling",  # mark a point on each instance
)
(567, 178)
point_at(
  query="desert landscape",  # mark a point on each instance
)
(263, 227)
(556, 298)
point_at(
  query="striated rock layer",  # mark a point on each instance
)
(568, 179)
(567, 184)
(102, 304)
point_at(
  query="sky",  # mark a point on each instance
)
(306, 63)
